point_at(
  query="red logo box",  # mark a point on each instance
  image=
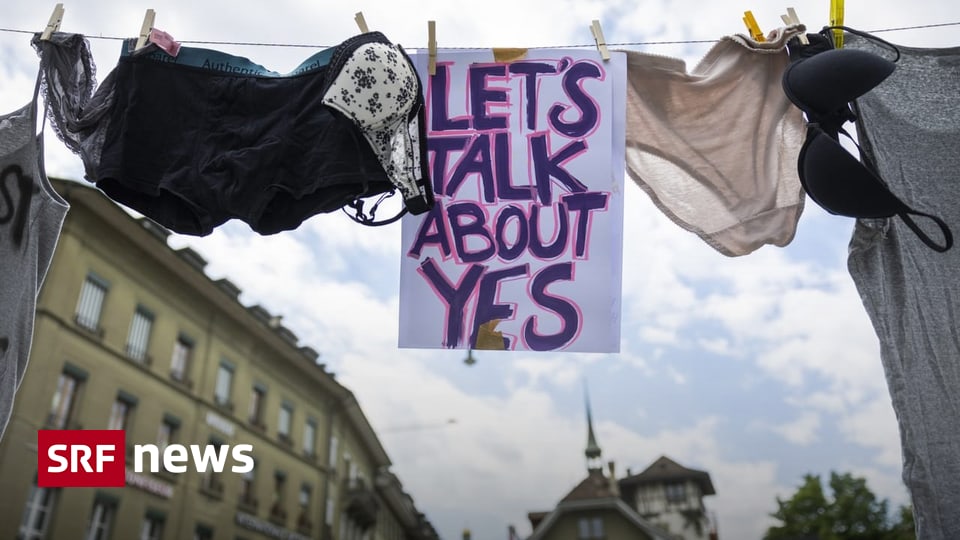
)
(81, 458)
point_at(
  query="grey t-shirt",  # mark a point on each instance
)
(31, 217)
(909, 128)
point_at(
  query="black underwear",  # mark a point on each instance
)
(194, 144)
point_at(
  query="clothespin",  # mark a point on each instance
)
(752, 26)
(145, 28)
(54, 23)
(361, 22)
(836, 19)
(432, 47)
(790, 19)
(599, 40)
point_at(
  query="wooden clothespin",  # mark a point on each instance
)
(54, 23)
(836, 19)
(790, 19)
(361, 22)
(752, 26)
(148, 19)
(597, 32)
(432, 47)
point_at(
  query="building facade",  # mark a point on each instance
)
(594, 509)
(131, 334)
(664, 502)
(671, 495)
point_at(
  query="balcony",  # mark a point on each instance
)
(138, 356)
(278, 515)
(181, 379)
(361, 503)
(55, 422)
(304, 526)
(247, 503)
(90, 326)
(223, 403)
(212, 487)
(257, 423)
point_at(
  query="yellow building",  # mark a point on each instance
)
(131, 334)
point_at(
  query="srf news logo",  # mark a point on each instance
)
(98, 458)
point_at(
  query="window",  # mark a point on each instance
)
(203, 532)
(221, 393)
(328, 517)
(180, 361)
(36, 513)
(279, 483)
(310, 438)
(348, 467)
(152, 527)
(283, 422)
(590, 529)
(90, 304)
(211, 483)
(305, 496)
(352, 469)
(62, 404)
(120, 412)
(247, 484)
(139, 337)
(257, 395)
(676, 492)
(278, 514)
(166, 434)
(101, 518)
(333, 452)
(118, 415)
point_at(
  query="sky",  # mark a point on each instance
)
(758, 369)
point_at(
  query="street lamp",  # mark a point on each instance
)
(469, 360)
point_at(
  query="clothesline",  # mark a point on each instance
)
(621, 44)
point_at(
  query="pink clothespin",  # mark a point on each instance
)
(165, 41)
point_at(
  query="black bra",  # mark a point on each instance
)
(822, 82)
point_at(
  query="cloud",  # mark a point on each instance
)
(873, 424)
(802, 431)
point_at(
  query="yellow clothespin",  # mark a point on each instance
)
(752, 26)
(790, 19)
(361, 22)
(432, 47)
(54, 23)
(836, 19)
(145, 28)
(600, 41)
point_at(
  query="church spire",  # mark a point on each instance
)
(593, 449)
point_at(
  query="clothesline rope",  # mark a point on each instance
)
(622, 44)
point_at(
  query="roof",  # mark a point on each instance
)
(665, 469)
(606, 503)
(535, 518)
(594, 486)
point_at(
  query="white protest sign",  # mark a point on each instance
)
(523, 249)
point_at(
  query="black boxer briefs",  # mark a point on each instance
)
(198, 139)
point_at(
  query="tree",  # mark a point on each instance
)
(804, 516)
(904, 528)
(853, 512)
